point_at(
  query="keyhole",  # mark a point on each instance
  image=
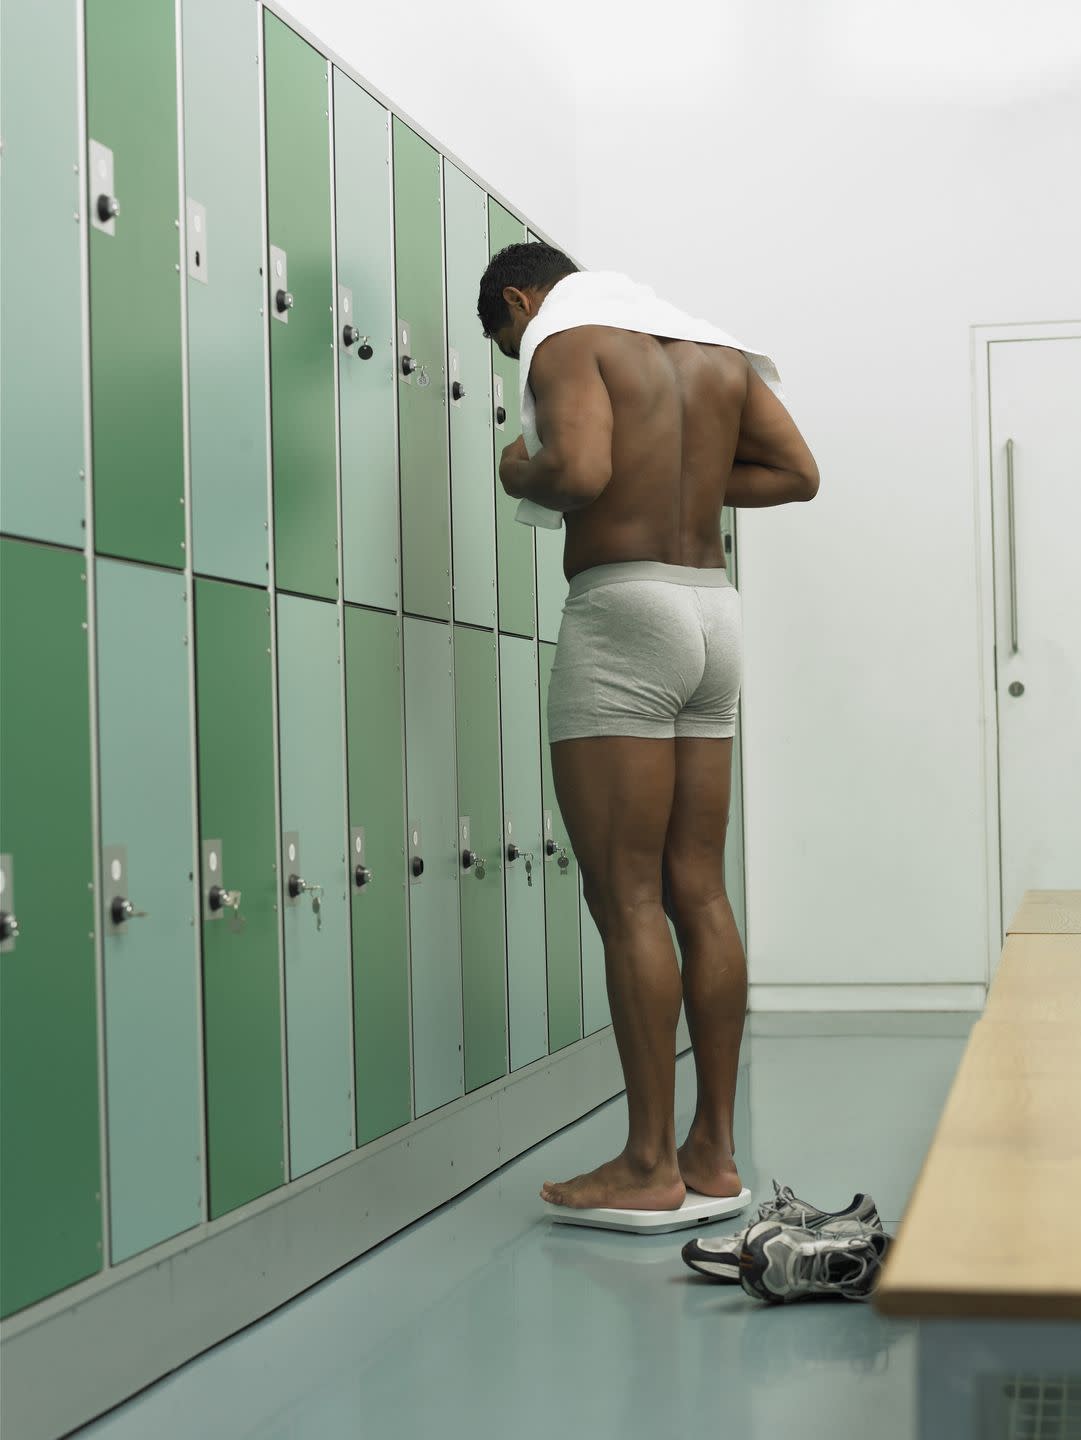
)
(198, 260)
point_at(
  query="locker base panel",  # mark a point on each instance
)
(695, 1210)
(73, 1357)
(802, 999)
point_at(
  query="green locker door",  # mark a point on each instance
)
(151, 1007)
(374, 720)
(41, 459)
(422, 387)
(226, 389)
(564, 922)
(484, 945)
(469, 376)
(300, 300)
(135, 360)
(517, 588)
(527, 971)
(318, 986)
(551, 583)
(366, 370)
(433, 864)
(50, 1163)
(734, 876)
(237, 830)
(595, 1012)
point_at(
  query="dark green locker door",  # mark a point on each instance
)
(50, 1163)
(484, 945)
(135, 360)
(367, 388)
(515, 542)
(223, 215)
(422, 389)
(238, 894)
(41, 460)
(561, 908)
(152, 1048)
(374, 718)
(318, 983)
(300, 299)
(527, 975)
(469, 373)
(433, 865)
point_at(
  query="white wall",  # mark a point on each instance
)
(850, 185)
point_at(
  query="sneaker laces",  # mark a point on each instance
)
(783, 1198)
(857, 1250)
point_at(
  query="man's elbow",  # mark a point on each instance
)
(810, 478)
(586, 483)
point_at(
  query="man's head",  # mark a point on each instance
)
(512, 289)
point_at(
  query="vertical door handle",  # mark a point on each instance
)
(1014, 641)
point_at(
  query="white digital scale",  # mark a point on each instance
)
(695, 1210)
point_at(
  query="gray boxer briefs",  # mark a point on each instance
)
(650, 650)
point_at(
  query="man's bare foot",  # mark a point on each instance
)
(709, 1169)
(620, 1185)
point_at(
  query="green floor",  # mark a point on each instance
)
(484, 1321)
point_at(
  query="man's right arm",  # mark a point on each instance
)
(773, 464)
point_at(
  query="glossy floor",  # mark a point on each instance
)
(484, 1320)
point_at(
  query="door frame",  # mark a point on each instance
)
(982, 337)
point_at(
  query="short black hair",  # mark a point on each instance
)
(524, 267)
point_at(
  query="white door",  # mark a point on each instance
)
(1035, 393)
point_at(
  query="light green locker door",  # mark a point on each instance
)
(300, 300)
(561, 899)
(514, 542)
(134, 204)
(149, 905)
(433, 864)
(527, 971)
(50, 1164)
(226, 383)
(239, 894)
(422, 388)
(41, 379)
(595, 1011)
(469, 378)
(374, 721)
(735, 880)
(484, 947)
(367, 389)
(318, 983)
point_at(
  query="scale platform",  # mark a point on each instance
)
(695, 1210)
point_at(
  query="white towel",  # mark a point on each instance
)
(605, 297)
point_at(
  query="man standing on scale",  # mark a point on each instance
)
(643, 439)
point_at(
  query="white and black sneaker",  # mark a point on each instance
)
(780, 1263)
(719, 1258)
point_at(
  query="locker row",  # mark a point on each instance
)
(356, 325)
(430, 906)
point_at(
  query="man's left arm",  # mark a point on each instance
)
(574, 424)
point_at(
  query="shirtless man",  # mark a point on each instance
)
(644, 440)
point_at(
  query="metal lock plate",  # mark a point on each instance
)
(114, 876)
(7, 898)
(213, 865)
(290, 863)
(455, 377)
(416, 850)
(358, 851)
(345, 317)
(548, 834)
(197, 241)
(100, 181)
(279, 280)
(405, 348)
(499, 424)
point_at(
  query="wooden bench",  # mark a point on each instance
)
(988, 1254)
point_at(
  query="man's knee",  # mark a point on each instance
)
(689, 890)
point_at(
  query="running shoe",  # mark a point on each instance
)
(780, 1263)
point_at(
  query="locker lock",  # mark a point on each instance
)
(418, 866)
(513, 852)
(108, 208)
(363, 876)
(350, 336)
(500, 416)
(469, 859)
(122, 910)
(284, 301)
(550, 848)
(297, 887)
(9, 926)
(222, 899)
(457, 390)
(409, 365)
